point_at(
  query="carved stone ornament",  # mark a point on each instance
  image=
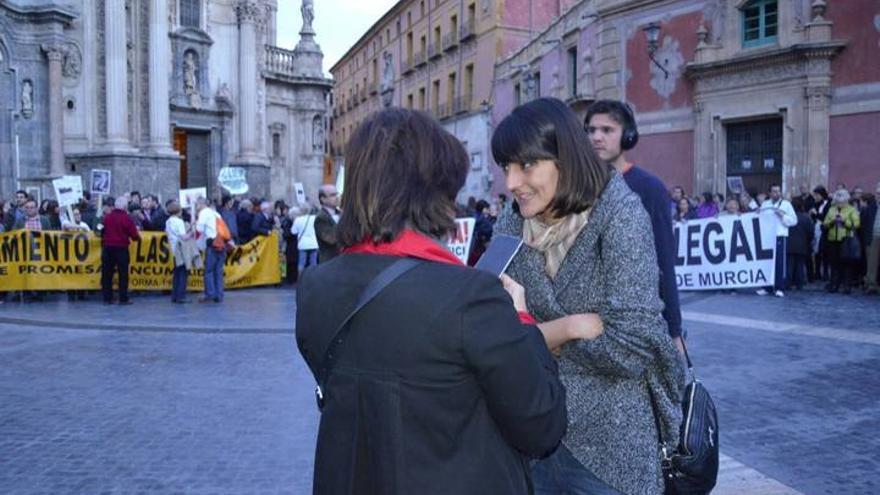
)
(249, 12)
(27, 98)
(71, 67)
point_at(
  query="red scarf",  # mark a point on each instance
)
(409, 243)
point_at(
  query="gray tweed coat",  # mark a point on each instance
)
(611, 270)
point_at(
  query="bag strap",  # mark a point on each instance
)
(383, 280)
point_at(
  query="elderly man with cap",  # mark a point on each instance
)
(118, 232)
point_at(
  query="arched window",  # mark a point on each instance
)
(760, 22)
(190, 13)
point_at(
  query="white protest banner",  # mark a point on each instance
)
(300, 192)
(233, 179)
(188, 197)
(460, 243)
(68, 189)
(727, 252)
(100, 183)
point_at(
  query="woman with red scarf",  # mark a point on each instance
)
(442, 383)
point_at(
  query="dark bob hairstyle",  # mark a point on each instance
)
(402, 170)
(546, 129)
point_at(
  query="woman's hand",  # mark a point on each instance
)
(586, 326)
(516, 291)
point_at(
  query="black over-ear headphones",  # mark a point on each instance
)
(630, 135)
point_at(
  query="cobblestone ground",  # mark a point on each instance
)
(222, 403)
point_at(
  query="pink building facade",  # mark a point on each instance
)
(767, 91)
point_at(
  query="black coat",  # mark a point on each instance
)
(800, 237)
(438, 389)
(262, 225)
(325, 231)
(866, 220)
(244, 219)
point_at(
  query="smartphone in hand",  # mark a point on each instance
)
(499, 254)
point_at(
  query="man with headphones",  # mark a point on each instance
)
(611, 126)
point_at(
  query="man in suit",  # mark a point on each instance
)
(325, 223)
(245, 219)
(264, 221)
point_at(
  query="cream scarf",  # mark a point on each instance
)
(554, 240)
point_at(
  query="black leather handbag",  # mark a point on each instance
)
(692, 469)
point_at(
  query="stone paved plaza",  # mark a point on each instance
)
(216, 400)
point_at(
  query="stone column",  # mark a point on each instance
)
(249, 15)
(55, 54)
(116, 73)
(160, 53)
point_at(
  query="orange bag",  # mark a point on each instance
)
(223, 236)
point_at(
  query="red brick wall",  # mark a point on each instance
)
(669, 155)
(853, 21)
(638, 87)
(855, 150)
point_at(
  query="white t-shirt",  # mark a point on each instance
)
(304, 230)
(788, 217)
(206, 225)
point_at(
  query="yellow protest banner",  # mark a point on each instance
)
(55, 260)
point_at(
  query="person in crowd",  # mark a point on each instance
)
(502, 202)
(870, 237)
(707, 207)
(470, 208)
(800, 240)
(856, 197)
(245, 219)
(206, 226)
(303, 229)
(88, 210)
(731, 206)
(822, 259)
(757, 201)
(325, 223)
(134, 197)
(480, 399)
(684, 212)
(590, 273)
(720, 202)
(229, 213)
(4, 210)
(136, 212)
(44, 208)
(786, 218)
(611, 127)
(263, 222)
(807, 198)
(483, 225)
(158, 215)
(16, 210)
(53, 213)
(32, 220)
(77, 224)
(291, 251)
(118, 232)
(146, 213)
(841, 222)
(177, 233)
(676, 195)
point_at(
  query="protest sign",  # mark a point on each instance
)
(100, 182)
(727, 252)
(188, 197)
(55, 260)
(300, 193)
(735, 184)
(68, 190)
(234, 180)
(460, 243)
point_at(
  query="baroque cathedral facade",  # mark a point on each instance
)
(163, 93)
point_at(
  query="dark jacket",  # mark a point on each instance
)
(262, 225)
(800, 237)
(231, 220)
(654, 198)
(245, 219)
(866, 230)
(325, 231)
(624, 383)
(19, 224)
(158, 219)
(438, 389)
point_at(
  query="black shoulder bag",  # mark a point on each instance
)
(693, 468)
(383, 280)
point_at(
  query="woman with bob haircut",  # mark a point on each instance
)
(438, 386)
(590, 275)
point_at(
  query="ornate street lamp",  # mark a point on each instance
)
(652, 32)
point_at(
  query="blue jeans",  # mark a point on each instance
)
(562, 474)
(307, 257)
(214, 261)
(178, 283)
